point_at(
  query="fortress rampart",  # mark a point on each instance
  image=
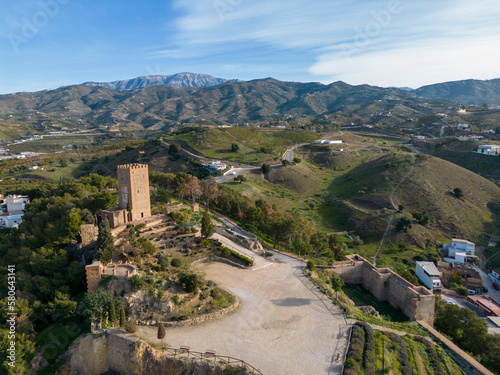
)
(416, 302)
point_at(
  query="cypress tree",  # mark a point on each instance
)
(123, 319)
(105, 242)
(112, 313)
(207, 227)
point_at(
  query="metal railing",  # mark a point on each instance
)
(211, 355)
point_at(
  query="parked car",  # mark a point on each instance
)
(450, 302)
(485, 290)
(496, 286)
(471, 292)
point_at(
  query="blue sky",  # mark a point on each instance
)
(45, 44)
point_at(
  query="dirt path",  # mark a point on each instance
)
(284, 325)
(391, 220)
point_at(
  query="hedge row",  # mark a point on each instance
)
(355, 352)
(402, 353)
(369, 358)
(244, 259)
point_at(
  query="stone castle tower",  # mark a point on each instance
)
(133, 187)
(133, 195)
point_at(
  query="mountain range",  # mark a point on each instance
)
(216, 101)
(262, 100)
(175, 80)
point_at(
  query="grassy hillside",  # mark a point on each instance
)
(462, 153)
(255, 145)
(360, 199)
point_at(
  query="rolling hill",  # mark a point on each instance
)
(365, 197)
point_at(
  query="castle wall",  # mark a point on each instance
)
(418, 303)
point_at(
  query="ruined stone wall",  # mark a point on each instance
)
(126, 354)
(417, 303)
(93, 272)
(350, 272)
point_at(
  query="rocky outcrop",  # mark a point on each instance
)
(126, 354)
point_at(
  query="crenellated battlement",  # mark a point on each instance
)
(132, 166)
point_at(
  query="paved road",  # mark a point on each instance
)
(288, 155)
(284, 325)
(233, 172)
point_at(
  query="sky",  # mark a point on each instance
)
(45, 44)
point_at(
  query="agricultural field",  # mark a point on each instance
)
(373, 351)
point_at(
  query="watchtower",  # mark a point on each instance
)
(133, 187)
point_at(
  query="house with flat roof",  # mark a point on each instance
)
(492, 150)
(429, 275)
(486, 305)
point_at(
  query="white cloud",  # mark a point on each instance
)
(384, 42)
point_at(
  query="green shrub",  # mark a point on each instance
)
(160, 294)
(311, 265)
(369, 359)
(163, 261)
(356, 348)
(136, 283)
(176, 262)
(175, 299)
(190, 281)
(228, 252)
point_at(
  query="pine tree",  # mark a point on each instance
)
(112, 313)
(123, 319)
(161, 333)
(207, 227)
(105, 242)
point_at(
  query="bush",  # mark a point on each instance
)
(369, 360)
(136, 283)
(130, 326)
(463, 291)
(190, 281)
(163, 261)
(175, 299)
(176, 262)
(311, 265)
(356, 348)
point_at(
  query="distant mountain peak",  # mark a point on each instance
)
(176, 80)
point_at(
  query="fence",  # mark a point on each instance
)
(211, 355)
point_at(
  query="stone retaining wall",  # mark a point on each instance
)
(196, 320)
(222, 260)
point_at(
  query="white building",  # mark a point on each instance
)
(429, 275)
(215, 165)
(8, 220)
(493, 150)
(16, 203)
(459, 246)
(11, 210)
